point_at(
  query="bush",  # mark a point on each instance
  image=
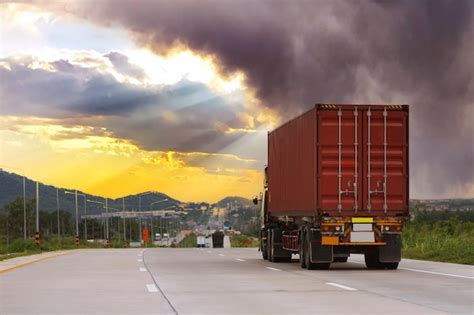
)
(20, 245)
(243, 241)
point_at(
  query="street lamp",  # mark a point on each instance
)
(140, 209)
(24, 197)
(75, 193)
(151, 204)
(106, 205)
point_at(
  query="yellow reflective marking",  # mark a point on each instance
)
(362, 220)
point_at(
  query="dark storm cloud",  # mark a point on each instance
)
(296, 54)
(186, 116)
(60, 89)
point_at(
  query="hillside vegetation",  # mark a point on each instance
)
(440, 236)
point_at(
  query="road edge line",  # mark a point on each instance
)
(35, 261)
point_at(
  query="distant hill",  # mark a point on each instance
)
(234, 200)
(11, 187)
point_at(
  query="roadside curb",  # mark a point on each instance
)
(37, 260)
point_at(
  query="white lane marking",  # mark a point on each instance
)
(142, 269)
(151, 288)
(438, 273)
(222, 255)
(274, 269)
(341, 286)
(139, 260)
(209, 252)
(239, 259)
(425, 271)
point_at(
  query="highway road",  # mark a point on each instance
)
(225, 281)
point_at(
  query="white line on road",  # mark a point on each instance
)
(209, 252)
(239, 259)
(341, 286)
(438, 273)
(151, 288)
(142, 269)
(274, 269)
(139, 260)
(222, 255)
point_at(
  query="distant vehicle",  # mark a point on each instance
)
(337, 183)
(201, 241)
(218, 239)
(157, 237)
(165, 237)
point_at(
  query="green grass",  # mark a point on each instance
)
(189, 241)
(447, 241)
(243, 241)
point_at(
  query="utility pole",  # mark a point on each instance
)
(85, 218)
(107, 218)
(57, 208)
(24, 206)
(123, 221)
(77, 214)
(37, 207)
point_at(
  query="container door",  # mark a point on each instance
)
(340, 161)
(385, 137)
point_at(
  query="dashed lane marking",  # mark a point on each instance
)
(151, 288)
(222, 255)
(274, 269)
(139, 260)
(142, 269)
(341, 286)
(239, 259)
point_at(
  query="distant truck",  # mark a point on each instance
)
(218, 239)
(201, 241)
(337, 183)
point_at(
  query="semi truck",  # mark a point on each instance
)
(337, 183)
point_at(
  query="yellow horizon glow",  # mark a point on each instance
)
(110, 167)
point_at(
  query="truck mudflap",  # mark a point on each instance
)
(277, 242)
(319, 253)
(391, 252)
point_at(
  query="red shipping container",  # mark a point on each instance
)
(340, 160)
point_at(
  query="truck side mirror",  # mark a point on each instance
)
(255, 200)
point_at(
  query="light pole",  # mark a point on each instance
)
(24, 197)
(37, 209)
(151, 204)
(123, 221)
(57, 208)
(106, 205)
(140, 209)
(75, 193)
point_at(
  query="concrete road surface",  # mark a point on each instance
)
(225, 281)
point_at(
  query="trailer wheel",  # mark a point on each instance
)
(371, 257)
(392, 266)
(264, 244)
(307, 255)
(301, 250)
(270, 245)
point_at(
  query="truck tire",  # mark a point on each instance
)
(263, 244)
(301, 249)
(270, 245)
(392, 266)
(307, 255)
(372, 260)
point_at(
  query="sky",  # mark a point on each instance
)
(115, 97)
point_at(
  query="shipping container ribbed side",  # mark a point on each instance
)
(340, 160)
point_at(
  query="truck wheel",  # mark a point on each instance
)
(307, 256)
(301, 250)
(371, 256)
(392, 266)
(263, 245)
(340, 259)
(270, 245)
